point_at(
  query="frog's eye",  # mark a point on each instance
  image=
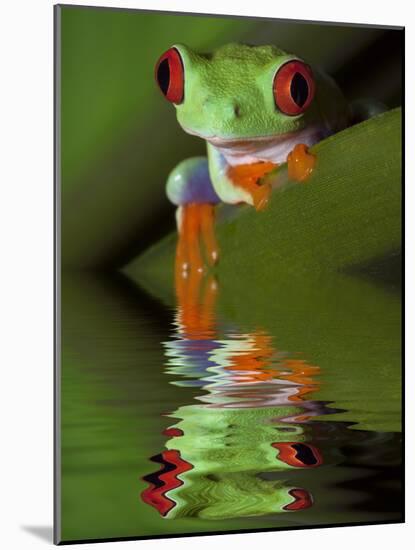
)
(169, 75)
(298, 455)
(302, 500)
(293, 88)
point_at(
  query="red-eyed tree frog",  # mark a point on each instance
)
(256, 107)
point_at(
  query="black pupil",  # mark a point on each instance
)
(163, 75)
(305, 454)
(299, 89)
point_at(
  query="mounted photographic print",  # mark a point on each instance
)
(228, 274)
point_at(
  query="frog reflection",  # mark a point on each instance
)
(250, 420)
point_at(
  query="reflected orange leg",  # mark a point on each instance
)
(187, 294)
(196, 301)
(247, 177)
(302, 374)
(209, 296)
(255, 362)
(207, 313)
(300, 163)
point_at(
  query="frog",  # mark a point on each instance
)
(213, 460)
(256, 107)
(251, 417)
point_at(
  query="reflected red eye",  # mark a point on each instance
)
(165, 480)
(302, 500)
(293, 88)
(169, 75)
(173, 432)
(299, 455)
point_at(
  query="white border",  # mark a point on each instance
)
(26, 273)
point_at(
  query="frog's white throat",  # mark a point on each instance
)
(272, 149)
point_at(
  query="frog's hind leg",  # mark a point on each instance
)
(190, 188)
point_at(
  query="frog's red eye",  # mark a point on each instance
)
(302, 500)
(170, 75)
(298, 455)
(293, 88)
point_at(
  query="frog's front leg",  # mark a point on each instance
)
(190, 188)
(248, 176)
(240, 183)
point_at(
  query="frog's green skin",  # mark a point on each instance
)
(228, 448)
(228, 101)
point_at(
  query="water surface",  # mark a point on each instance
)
(213, 408)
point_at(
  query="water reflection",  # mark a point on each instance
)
(334, 346)
(251, 417)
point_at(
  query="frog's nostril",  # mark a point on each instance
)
(221, 110)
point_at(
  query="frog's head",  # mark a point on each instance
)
(238, 93)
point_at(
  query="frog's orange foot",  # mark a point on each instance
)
(300, 163)
(248, 176)
(196, 295)
(261, 196)
(196, 228)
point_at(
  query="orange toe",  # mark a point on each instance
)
(300, 163)
(247, 176)
(261, 196)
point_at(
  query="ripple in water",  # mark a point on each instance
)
(250, 443)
